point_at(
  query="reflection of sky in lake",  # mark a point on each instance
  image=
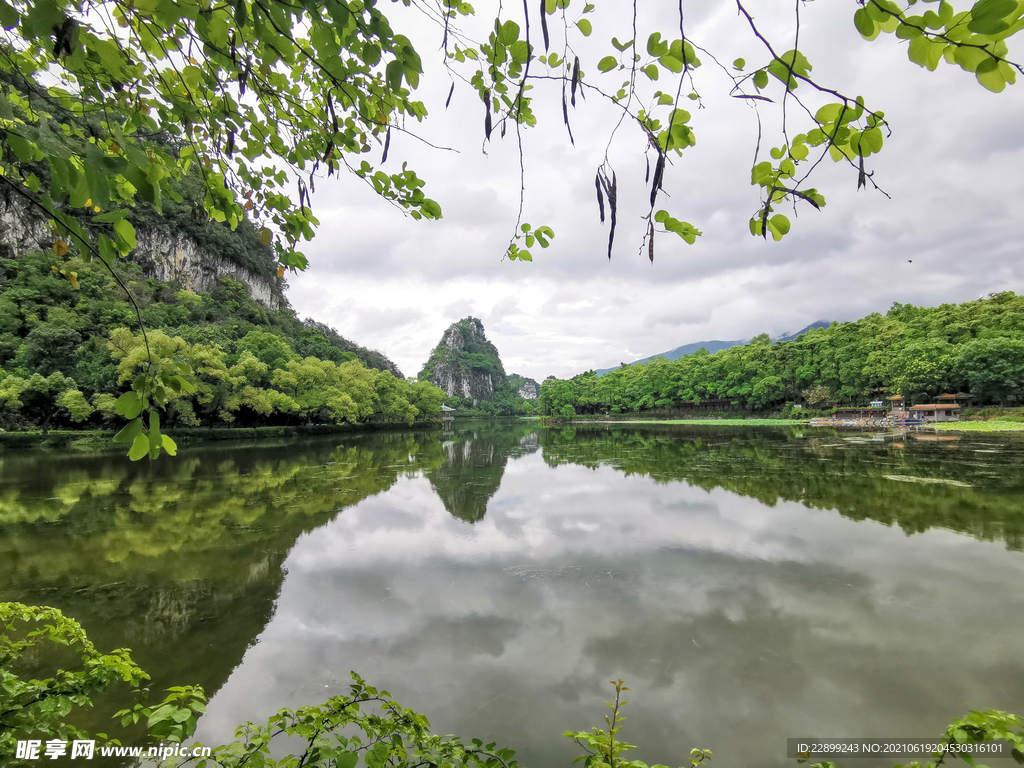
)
(735, 624)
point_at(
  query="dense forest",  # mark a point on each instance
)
(918, 352)
(66, 351)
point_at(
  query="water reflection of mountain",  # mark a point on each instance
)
(181, 560)
(476, 458)
(971, 486)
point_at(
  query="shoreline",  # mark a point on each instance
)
(994, 425)
(100, 439)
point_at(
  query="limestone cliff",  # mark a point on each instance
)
(528, 389)
(465, 364)
(164, 254)
(178, 246)
(174, 257)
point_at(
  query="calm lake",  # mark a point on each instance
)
(749, 584)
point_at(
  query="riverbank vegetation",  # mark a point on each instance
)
(917, 352)
(66, 351)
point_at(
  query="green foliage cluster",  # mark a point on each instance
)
(216, 358)
(918, 352)
(476, 354)
(104, 106)
(602, 749)
(364, 727)
(42, 706)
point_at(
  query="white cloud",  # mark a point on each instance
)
(394, 284)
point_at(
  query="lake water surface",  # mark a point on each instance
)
(749, 584)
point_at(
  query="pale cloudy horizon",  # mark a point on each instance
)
(949, 233)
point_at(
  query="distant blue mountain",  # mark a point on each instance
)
(715, 346)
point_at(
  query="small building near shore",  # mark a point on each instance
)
(960, 398)
(897, 405)
(935, 412)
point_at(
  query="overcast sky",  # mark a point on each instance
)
(953, 168)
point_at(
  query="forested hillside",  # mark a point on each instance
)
(66, 351)
(918, 352)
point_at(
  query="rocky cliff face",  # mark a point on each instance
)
(465, 364)
(174, 257)
(528, 389)
(163, 255)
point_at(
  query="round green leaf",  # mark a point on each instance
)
(781, 223)
(865, 24)
(992, 9)
(607, 64)
(140, 447)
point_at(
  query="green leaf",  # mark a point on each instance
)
(520, 51)
(988, 26)
(671, 63)
(60, 177)
(992, 79)
(872, 140)
(155, 439)
(128, 405)
(781, 224)
(23, 148)
(585, 27)
(656, 46)
(393, 72)
(739, 64)
(140, 447)
(607, 64)
(508, 33)
(133, 429)
(125, 236)
(923, 51)
(108, 252)
(652, 73)
(9, 17)
(830, 112)
(991, 10)
(109, 217)
(761, 79)
(866, 25)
